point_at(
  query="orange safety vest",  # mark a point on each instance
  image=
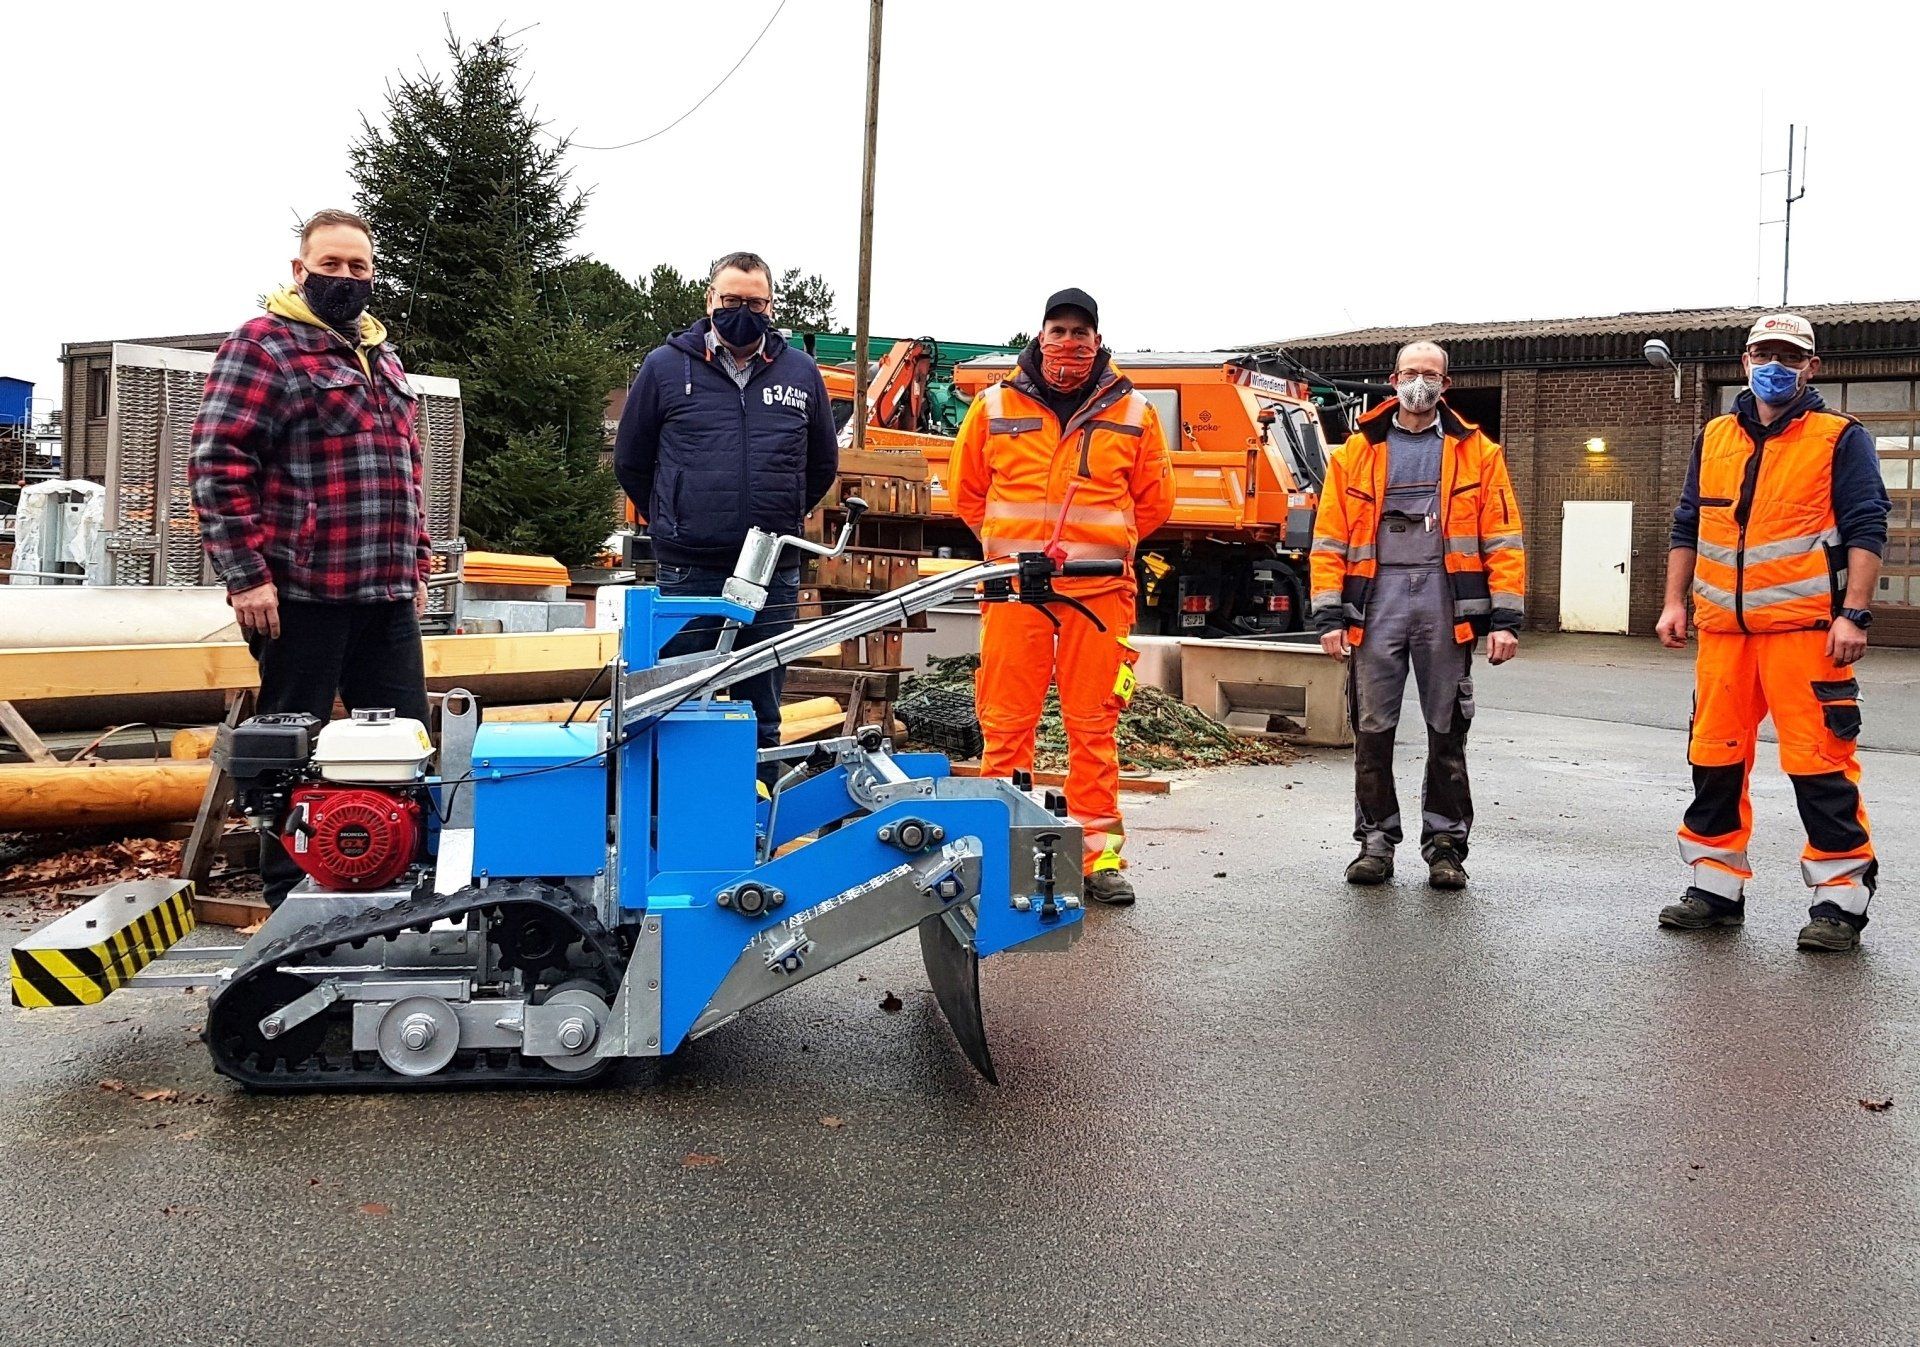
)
(1769, 551)
(1013, 463)
(1485, 554)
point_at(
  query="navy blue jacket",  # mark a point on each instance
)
(705, 460)
(1860, 502)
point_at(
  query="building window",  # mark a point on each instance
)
(97, 392)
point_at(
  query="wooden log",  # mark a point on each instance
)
(79, 795)
(191, 745)
(541, 713)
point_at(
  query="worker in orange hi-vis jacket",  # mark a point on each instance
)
(1778, 536)
(1065, 449)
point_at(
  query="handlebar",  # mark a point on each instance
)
(1112, 566)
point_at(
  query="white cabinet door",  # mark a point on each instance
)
(1596, 565)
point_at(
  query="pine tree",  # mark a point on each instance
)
(803, 303)
(473, 215)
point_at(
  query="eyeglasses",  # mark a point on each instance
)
(1431, 380)
(739, 302)
(1792, 357)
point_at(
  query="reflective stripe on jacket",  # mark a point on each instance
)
(1485, 558)
(1013, 463)
(1770, 553)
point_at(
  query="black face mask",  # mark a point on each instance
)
(338, 301)
(741, 327)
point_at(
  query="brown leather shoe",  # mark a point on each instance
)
(1370, 868)
(1444, 870)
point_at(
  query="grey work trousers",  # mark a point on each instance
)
(1410, 623)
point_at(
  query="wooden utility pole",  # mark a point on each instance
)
(866, 229)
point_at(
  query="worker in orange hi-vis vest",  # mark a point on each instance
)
(1778, 533)
(1064, 450)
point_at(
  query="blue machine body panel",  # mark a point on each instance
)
(704, 781)
(530, 821)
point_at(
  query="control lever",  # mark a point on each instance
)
(1037, 570)
(760, 558)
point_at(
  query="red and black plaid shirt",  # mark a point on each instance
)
(307, 472)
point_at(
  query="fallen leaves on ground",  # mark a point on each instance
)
(695, 1160)
(829, 1120)
(1876, 1105)
(41, 878)
(890, 1003)
(374, 1209)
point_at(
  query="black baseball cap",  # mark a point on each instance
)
(1073, 298)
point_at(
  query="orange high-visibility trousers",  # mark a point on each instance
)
(1815, 705)
(1020, 654)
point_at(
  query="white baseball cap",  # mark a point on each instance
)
(1787, 327)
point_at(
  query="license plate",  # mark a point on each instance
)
(1193, 619)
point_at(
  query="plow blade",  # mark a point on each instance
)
(946, 946)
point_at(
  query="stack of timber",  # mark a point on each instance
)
(888, 545)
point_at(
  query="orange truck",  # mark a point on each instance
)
(1249, 454)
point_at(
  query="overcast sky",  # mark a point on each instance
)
(1213, 171)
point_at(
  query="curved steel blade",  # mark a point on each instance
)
(954, 970)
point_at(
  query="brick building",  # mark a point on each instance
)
(86, 390)
(1586, 420)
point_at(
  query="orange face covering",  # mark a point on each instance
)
(1065, 365)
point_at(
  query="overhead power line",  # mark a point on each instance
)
(655, 135)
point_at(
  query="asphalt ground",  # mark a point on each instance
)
(1260, 1107)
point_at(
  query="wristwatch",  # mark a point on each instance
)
(1860, 617)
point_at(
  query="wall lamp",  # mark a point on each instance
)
(1660, 357)
(1596, 445)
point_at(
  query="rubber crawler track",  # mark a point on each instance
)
(225, 1037)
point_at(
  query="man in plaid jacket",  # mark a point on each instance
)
(307, 474)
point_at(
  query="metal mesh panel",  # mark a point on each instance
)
(153, 532)
(136, 416)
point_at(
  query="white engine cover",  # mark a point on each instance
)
(373, 751)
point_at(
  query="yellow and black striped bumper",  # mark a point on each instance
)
(77, 959)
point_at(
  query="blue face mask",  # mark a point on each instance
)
(741, 327)
(1774, 384)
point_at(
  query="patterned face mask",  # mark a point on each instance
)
(1066, 364)
(1418, 393)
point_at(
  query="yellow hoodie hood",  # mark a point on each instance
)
(287, 302)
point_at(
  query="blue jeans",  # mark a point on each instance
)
(775, 619)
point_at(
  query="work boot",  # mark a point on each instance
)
(1444, 870)
(1697, 910)
(1370, 868)
(1829, 931)
(1109, 887)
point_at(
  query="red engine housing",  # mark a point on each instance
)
(353, 837)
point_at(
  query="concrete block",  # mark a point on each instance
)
(1246, 683)
(482, 591)
(1159, 662)
(951, 630)
(517, 617)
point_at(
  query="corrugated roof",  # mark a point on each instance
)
(189, 341)
(1884, 327)
(1652, 324)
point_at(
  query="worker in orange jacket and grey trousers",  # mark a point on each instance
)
(1063, 446)
(1778, 532)
(1417, 551)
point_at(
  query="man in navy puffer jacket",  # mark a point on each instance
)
(727, 428)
